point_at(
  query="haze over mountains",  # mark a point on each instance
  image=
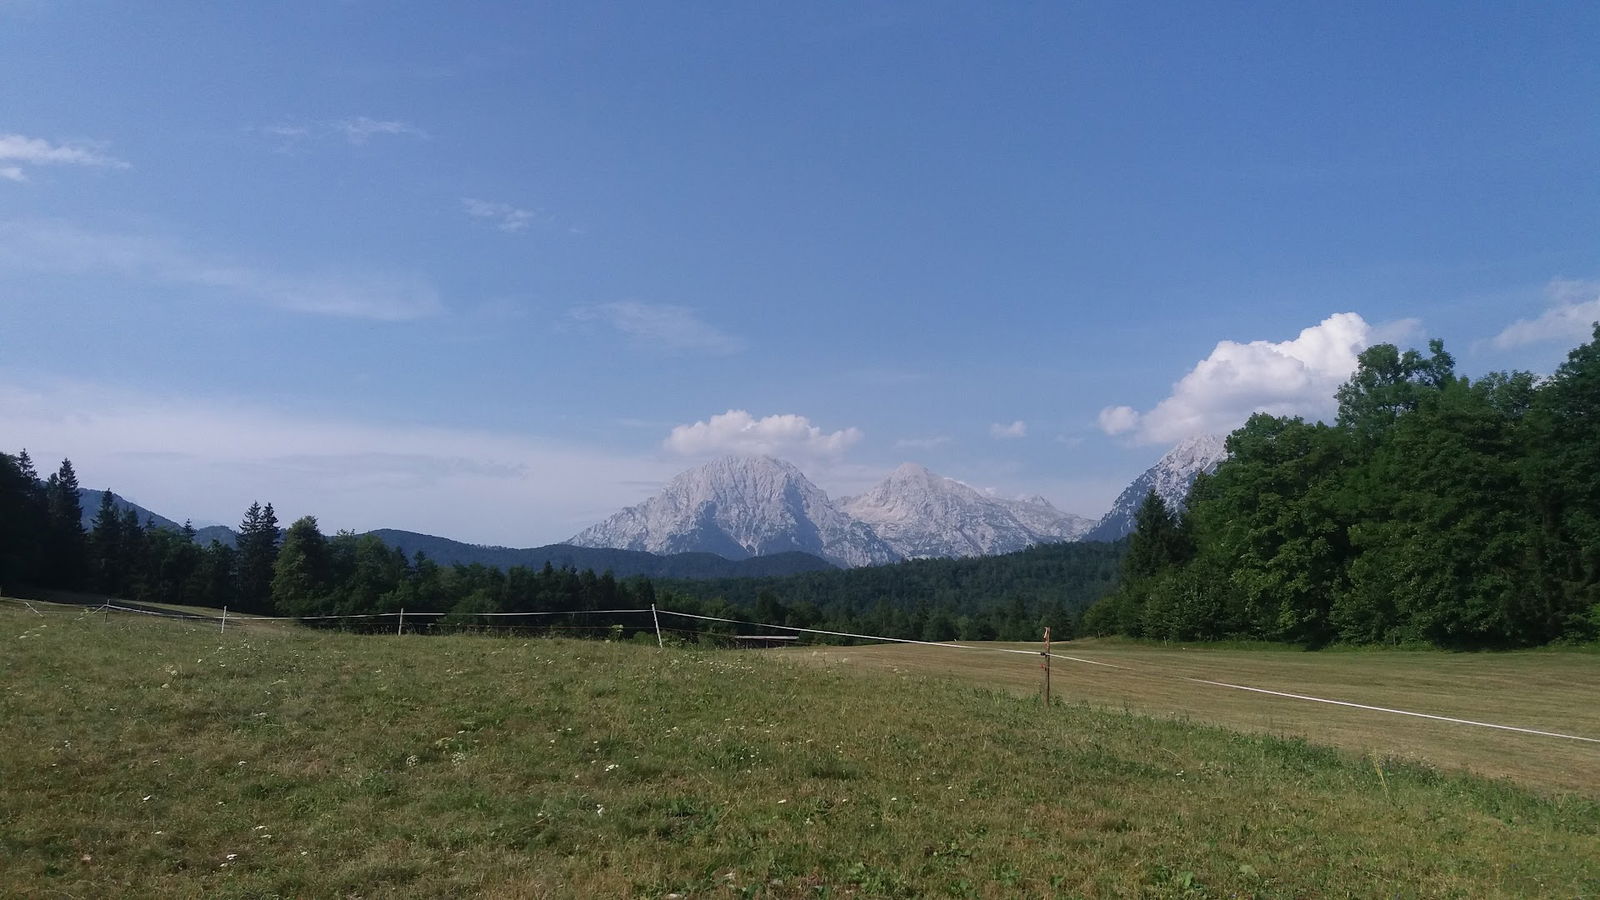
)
(757, 515)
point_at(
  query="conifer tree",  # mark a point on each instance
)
(105, 546)
(258, 551)
(66, 544)
(21, 520)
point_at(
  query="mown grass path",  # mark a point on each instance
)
(148, 757)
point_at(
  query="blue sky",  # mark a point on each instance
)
(493, 272)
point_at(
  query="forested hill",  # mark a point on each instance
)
(1435, 510)
(622, 563)
(976, 598)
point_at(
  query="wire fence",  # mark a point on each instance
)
(440, 622)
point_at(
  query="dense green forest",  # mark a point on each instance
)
(1004, 597)
(1435, 510)
(302, 572)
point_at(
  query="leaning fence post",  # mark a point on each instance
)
(224, 629)
(1046, 655)
(657, 619)
(400, 629)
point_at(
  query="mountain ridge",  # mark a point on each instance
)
(1170, 477)
(739, 507)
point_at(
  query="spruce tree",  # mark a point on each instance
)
(66, 544)
(105, 546)
(258, 551)
(22, 519)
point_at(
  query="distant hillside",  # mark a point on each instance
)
(1068, 576)
(89, 500)
(622, 563)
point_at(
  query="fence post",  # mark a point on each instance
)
(657, 619)
(1046, 656)
(224, 629)
(401, 628)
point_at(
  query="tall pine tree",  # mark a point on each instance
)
(258, 551)
(66, 544)
(105, 546)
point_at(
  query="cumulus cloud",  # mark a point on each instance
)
(186, 457)
(736, 431)
(676, 329)
(1017, 429)
(17, 151)
(63, 248)
(1118, 419)
(503, 216)
(1288, 378)
(1574, 307)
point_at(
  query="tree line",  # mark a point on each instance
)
(301, 572)
(1434, 510)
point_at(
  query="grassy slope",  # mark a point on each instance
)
(141, 754)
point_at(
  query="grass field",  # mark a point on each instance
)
(1545, 690)
(157, 757)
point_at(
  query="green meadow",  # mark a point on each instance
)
(151, 757)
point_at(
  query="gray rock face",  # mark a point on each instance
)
(1170, 478)
(738, 507)
(921, 514)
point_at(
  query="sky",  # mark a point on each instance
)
(494, 271)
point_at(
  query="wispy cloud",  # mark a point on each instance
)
(736, 431)
(1285, 378)
(361, 129)
(503, 216)
(358, 130)
(207, 460)
(1573, 308)
(19, 151)
(63, 248)
(1017, 429)
(922, 443)
(675, 329)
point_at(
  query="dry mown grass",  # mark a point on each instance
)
(149, 757)
(1546, 690)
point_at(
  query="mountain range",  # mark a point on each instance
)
(757, 515)
(747, 506)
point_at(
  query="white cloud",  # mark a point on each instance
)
(1287, 378)
(505, 217)
(922, 443)
(185, 457)
(1118, 419)
(19, 150)
(672, 328)
(1017, 429)
(736, 431)
(356, 131)
(361, 129)
(1574, 307)
(64, 248)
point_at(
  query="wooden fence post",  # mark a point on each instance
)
(401, 628)
(657, 619)
(1046, 656)
(224, 629)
